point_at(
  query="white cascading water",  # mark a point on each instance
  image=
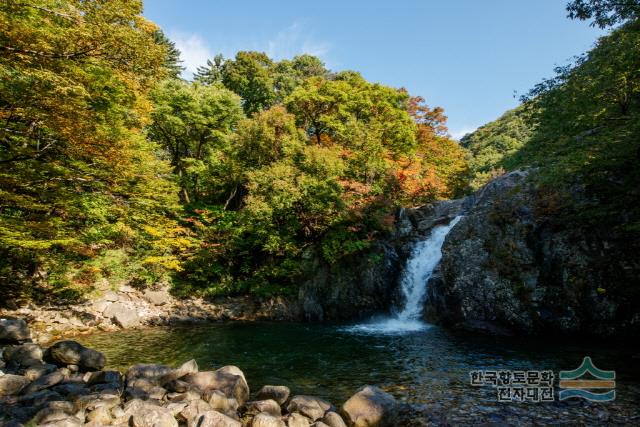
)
(425, 256)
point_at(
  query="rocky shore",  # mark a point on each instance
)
(128, 307)
(64, 385)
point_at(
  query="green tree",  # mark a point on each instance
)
(78, 180)
(193, 122)
(249, 75)
(604, 13)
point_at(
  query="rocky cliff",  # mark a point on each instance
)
(513, 265)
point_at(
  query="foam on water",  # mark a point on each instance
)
(425, 256)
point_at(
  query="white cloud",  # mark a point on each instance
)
(459, 133)
(293, 41)
(287, 43)
(194, 51)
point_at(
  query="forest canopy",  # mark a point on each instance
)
(114, 169)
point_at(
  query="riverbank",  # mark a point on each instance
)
(65, 385)
(128, 307)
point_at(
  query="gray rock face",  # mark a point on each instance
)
(14, 331)
(73, 353)
(370, 407)
(122, 315)
(351, 288)
(512, 265)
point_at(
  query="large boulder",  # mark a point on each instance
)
(69, 352)
(309, 406)
(279, 393)
(229, 379)
(370, 407)
(123, 316)
(14, 330)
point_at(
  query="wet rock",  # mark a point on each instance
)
(122, 315)
(14, 330)
(332, 419)
(12, 384)
(73, 353)
(229, 379)
(268, 406)
(309, 406)
(279, 393)
(370, 407)
(266, 420)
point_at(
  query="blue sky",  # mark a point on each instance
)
(468, 56)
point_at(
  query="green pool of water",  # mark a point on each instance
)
(429, 368)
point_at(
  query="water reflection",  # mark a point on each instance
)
(429, 367)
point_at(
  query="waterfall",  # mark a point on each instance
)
(424, 258)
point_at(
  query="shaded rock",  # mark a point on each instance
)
(122, 315)
(309, 406)
(12, 384)
(267, 420)
(332, 419)
(35, 372)
(73, 353)
(297, 420)
(268, 406)
(102, 377)
(14, 330)
(25, 355)
(279, 393)
(228, 379)
(46, 381)
(370, 407)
